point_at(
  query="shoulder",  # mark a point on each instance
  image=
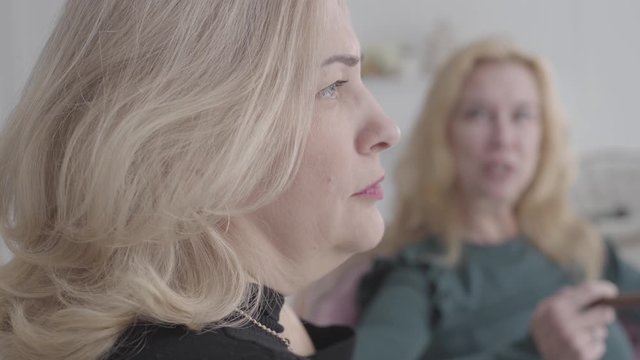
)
(617, 270)
(613, 263)
(413, 267)
(159, 342)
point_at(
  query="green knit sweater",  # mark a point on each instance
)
(481, 309)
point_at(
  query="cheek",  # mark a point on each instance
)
(467, 152)
(531, 155)
(531, 145)
(321, 187)
(468, 140)
(532, 136)
(319, 172)
(326, 162)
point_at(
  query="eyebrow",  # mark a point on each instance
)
(349, 60)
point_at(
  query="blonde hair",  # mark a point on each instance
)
(144, 128)
(426, 174)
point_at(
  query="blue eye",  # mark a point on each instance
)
(331, 91)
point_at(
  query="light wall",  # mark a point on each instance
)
(24, 28)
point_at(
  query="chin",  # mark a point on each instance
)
(502, 195)
(365, 233)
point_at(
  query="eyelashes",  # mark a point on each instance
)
(331, 91)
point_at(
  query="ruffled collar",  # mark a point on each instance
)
(269, 307)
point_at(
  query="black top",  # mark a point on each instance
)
(164, 342)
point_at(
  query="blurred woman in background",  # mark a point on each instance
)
(175, 168)
(489, 260)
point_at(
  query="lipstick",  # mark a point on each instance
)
(373, 191)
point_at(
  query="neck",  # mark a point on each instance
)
(295, 331)
(486, 222)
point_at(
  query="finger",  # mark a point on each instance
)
(594, 350)
(593, 335)
(589, 292)
(600, 334)
(599, 316)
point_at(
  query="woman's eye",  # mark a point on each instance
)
(523, 116)
(331, 91)
(475, 114)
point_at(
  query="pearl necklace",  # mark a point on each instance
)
(257, 323)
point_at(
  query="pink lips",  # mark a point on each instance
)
(500, 171)
(373, 191)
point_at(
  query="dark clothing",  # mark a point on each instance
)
(417, 308)
(160, 342)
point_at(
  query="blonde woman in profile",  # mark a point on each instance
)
(490, 260)
(174, 169)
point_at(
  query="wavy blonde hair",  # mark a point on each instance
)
(144, 128)
(425, 176)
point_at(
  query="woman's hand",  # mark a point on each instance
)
(565, 329)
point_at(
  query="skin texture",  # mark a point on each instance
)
(321, 220)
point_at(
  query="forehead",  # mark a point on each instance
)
(337, 35)
(502, 80)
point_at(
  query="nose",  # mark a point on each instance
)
(502, 131)
(380, 131)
